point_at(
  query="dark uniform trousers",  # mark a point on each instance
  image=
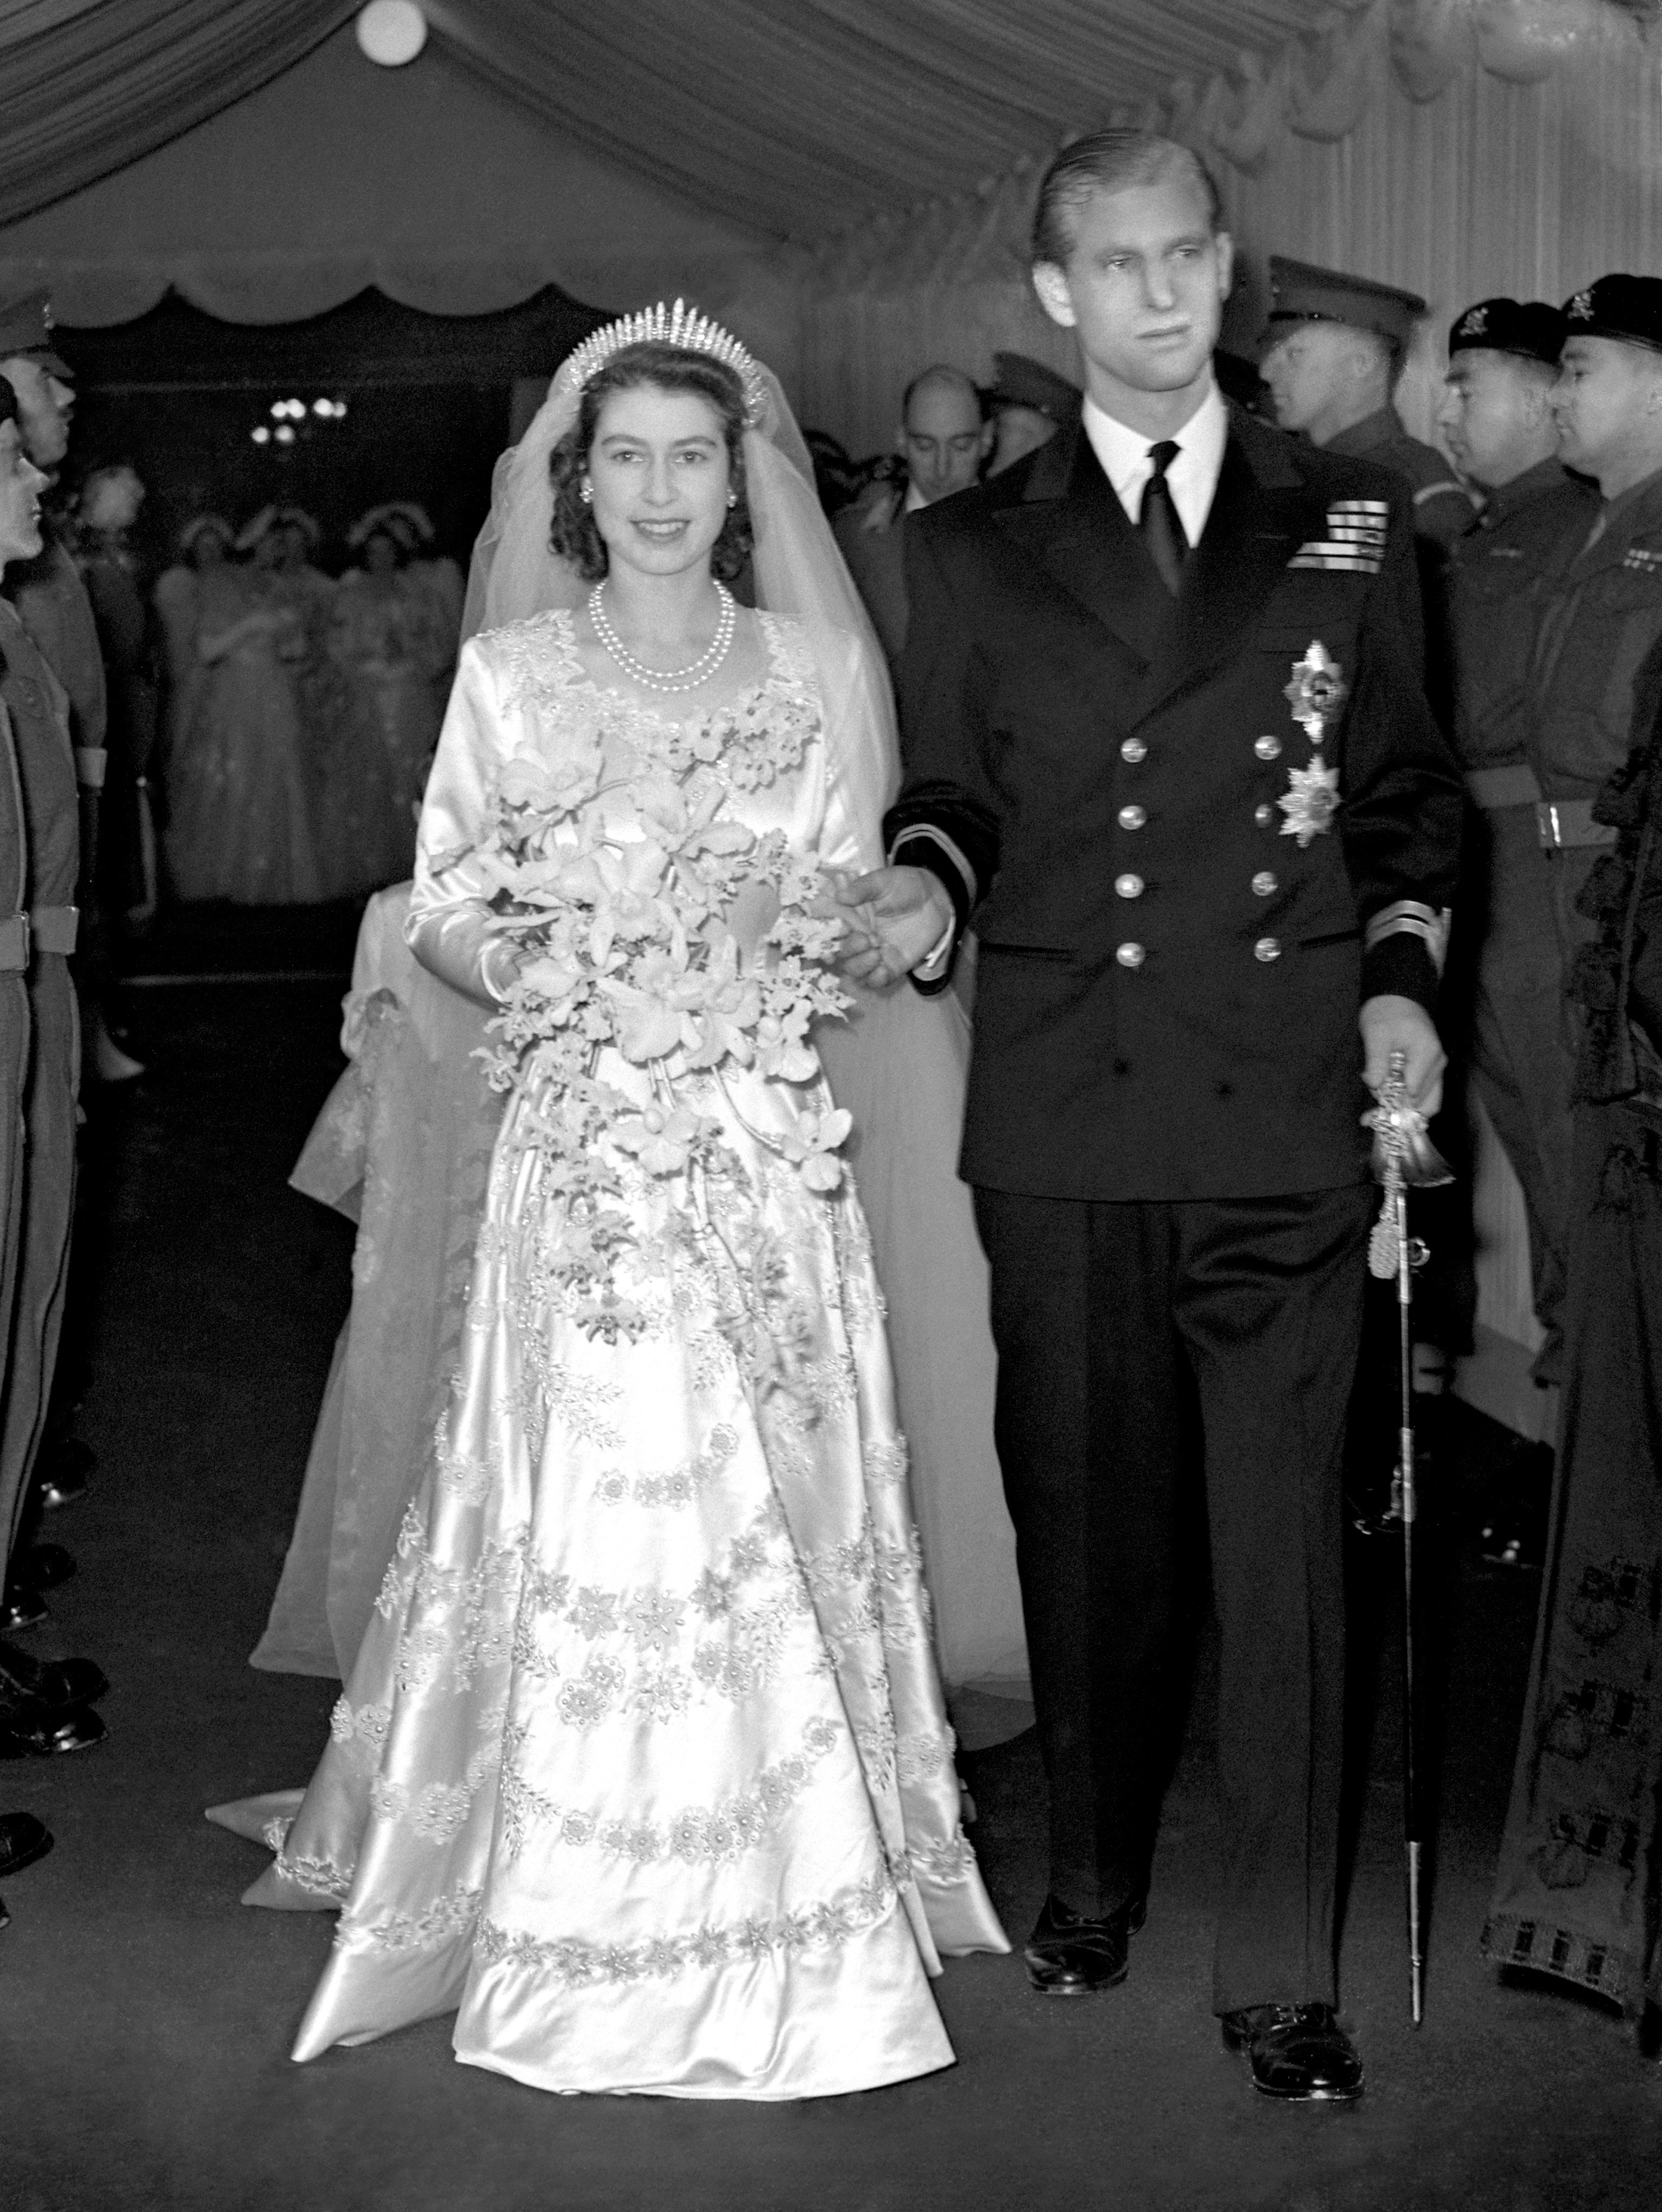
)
(1124, 1331)
(1162, 1121)
(1507, 939)
(45, 762)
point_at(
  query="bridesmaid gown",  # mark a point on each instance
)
(643, 1767)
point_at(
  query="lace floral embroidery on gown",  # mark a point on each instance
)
(644, 1765)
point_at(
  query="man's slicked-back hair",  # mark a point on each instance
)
(1112, 160)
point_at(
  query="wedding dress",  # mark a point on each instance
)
(644, 1765)
(402, 1147)
(240, 819)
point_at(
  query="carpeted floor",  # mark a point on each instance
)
(147, 2016)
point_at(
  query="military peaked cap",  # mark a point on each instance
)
(1302, 293)
(1529, 328)
(1021, 382)
(26, 328)
(1619, 306)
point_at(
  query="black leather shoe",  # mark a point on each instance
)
(43, 1567)
(54, 1682)
(1299, 2053)
(66, 1467)
(32, 1731)
(1068, 1956)
(23, 1839)
(21, 1609)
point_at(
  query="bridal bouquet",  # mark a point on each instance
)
(666, 928)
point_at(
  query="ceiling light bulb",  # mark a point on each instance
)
(392, 32)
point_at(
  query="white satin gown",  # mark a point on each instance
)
(644, 1766)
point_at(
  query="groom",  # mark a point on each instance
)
(1165, 744)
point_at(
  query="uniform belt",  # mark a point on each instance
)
(54, 928)
(1512, 786)
(1565, 822)
(14, 944)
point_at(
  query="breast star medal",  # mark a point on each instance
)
(1311, 801)
(1317, 691)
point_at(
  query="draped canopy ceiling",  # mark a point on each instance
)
(848, 181)
(794, 117)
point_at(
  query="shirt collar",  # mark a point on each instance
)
(1123, 452)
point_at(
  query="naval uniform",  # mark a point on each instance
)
(1520, 1058)
(1194, 831)
(38, 708)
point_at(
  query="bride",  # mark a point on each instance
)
(643, 1765)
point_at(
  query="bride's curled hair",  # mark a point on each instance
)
(571, 534)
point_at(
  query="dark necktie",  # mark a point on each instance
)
(1161, 523)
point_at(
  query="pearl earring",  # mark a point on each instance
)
(733, 499)
(586, 495)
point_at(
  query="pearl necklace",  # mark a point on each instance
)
(684, 679)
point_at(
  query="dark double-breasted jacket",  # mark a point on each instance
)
(1192, 833)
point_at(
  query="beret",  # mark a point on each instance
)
(1617, 306)
(1529, 328)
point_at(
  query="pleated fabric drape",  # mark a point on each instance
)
(87, 86)
(1497, 184)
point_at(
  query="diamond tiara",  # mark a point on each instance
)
(680, 325)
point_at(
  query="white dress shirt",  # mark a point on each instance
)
(1192, 475)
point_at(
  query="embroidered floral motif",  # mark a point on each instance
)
(449, 1916)
(681, 1485)
(654, 1619)
(947, 1859)
(698, 1836)
(1317, 691)
(438, 1810)
(317, 1877)
(627, 912)
(662, 1696)
(588, 1697)
(816, 1927)
(366, 1724)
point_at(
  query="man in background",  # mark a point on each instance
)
(944, 441)
(1028, 403)
(1333, 353)
(43, 1703)
(61, 758)
(1497, 419)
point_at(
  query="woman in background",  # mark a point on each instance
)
(239, 802)
(390, 634)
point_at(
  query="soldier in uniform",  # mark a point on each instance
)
(62, 770)
(1333, 352)
(43, 1703)
(1166, 742)
(1028, 404)
(1496, 417)
(1601, 608)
